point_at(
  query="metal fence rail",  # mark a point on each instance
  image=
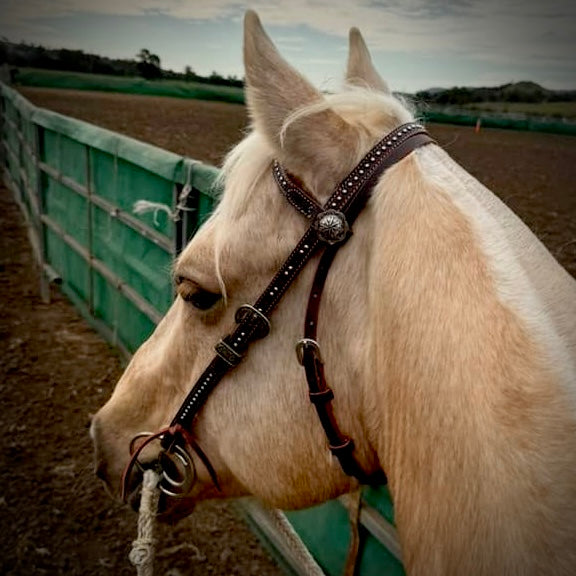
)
(76, 185)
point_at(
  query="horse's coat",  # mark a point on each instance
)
(448, 330)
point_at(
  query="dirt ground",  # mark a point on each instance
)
(54, 370)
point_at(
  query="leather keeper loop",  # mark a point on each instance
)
(227, 353)
(321, 397)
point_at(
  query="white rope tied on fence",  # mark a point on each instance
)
(145, 206)
(142, 554)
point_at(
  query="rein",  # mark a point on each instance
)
(330, 228)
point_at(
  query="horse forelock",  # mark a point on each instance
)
(371, 112)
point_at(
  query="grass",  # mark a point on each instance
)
(129, 85)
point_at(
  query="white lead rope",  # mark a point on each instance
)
(142, 553)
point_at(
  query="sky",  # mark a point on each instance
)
(415, 44)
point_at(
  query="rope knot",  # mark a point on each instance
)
(142, 552)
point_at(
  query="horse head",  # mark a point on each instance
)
(258, 428)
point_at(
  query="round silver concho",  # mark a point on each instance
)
(331, 226)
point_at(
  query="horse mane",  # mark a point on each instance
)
(478, 407)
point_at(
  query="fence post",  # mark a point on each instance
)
(90, 245)
(37, 218)
(3, 153)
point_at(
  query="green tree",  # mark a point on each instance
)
(148, 65)
(189, 74)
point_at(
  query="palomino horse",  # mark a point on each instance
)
(448, 335)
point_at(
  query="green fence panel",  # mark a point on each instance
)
(66, 209)
(135, 260)
(133, 184)
(123, 323)
(70, 265)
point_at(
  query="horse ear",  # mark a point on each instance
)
(274, 91)
(361, 71)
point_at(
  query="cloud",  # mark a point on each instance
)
(499, 34)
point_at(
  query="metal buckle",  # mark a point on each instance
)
(259, 323)
(307, 343)
(331, 226)
(227, 353)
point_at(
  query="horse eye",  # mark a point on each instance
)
(202, 299)
(199, 298)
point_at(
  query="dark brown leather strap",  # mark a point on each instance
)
(309, 354)
(321, 394)
(300, 199)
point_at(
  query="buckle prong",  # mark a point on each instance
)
(307, 343)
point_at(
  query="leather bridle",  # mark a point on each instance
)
(330, 227)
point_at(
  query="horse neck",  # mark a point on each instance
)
(469, 394)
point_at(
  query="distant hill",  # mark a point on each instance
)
(514, 92)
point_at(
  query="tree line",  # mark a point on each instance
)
(514, 92)
(145, 64)
(148, 66)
